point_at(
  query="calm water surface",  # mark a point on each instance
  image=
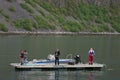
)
(107, 50)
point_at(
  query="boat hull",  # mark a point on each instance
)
(44, 61)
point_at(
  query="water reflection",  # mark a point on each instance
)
(91, 76)
(37, 75)
(57, 75)
(21, 75)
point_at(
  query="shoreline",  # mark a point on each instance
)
(56, 33)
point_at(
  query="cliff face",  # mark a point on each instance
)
(60, 15)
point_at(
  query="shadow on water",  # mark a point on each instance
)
(57, 75)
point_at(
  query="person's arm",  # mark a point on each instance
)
(93, 52)
(58, 52)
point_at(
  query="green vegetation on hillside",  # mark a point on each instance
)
(24, 23)
(72, 16)
(3, 27)
(84, 17)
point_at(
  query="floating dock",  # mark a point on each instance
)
(79, 66)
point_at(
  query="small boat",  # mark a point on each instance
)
(50, 60)
(49, 64)
(47, 61)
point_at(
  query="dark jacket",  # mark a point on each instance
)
(57, 53)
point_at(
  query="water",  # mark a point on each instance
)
(107, 49)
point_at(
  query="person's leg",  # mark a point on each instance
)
(58, 61)
(22, 61)
(91, 59)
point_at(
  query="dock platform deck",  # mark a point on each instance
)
(80, 66)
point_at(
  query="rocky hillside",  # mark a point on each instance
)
(60, 15)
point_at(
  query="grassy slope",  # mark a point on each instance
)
(38, 15)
